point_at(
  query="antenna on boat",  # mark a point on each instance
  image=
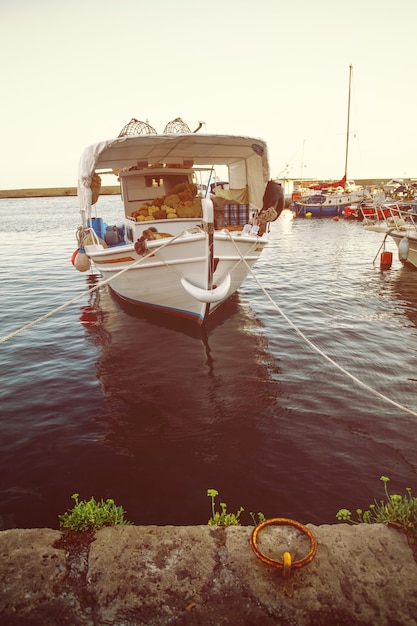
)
(348, 122)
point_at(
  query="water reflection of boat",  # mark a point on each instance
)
(91, 313)
(404, 285)
(178, 407)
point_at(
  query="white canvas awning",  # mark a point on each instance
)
(246, 158)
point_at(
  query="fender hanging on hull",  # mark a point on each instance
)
(208, 295)
(403, 248)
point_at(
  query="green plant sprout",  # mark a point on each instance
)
(260, 518)
(223, 518)
(92, 515)
(398, 511)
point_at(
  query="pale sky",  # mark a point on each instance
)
(74, 72)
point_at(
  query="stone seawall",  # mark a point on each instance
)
(53, 192)
(115, 189)
(206, 576)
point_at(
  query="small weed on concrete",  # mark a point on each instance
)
(92, 515)
(398, 511)
(223, 518)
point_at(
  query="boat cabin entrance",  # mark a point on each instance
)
(140, 186)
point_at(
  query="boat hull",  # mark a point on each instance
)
(398, 237)
(401, 226)
(319, 210)
(174, 277)
(328, 204)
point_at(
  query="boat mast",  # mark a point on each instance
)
(348, 122)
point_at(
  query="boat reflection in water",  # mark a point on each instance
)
(91, 314)
(404, 285)
(183, 412)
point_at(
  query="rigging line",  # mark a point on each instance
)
(323, 354)
(84, 293)
(381, 246)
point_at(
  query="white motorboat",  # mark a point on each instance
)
(398, 223)
(180, 249)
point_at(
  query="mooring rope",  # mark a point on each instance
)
(84, 293)
(274, 304)
(319, 350)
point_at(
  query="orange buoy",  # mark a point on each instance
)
(386, 260)
(336, 218)
(82, 261)
(74, 256)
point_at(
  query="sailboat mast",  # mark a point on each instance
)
(348, 122)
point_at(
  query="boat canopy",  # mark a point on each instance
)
(245, 157)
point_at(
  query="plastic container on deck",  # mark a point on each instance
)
(97, 225)
(112, 236)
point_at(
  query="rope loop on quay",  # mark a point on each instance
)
(286, 565)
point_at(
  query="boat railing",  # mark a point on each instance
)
(390, 215)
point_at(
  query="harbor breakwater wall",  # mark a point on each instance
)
(207, 576)
(47, 192)
(53, 192)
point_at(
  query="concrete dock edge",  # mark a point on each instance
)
(208, 576)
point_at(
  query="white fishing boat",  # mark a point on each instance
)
(398, 223)
(179, 249)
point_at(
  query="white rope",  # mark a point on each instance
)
(274, 304)
(85, 293)
(317, 349)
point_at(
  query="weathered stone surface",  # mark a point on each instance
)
(363, 574)
(30, 568)
(152, 573)
(208, 576)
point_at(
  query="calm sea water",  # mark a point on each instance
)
(153, 415)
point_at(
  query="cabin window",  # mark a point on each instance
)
(151, 181)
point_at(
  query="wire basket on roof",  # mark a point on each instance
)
(135, 127)
(177, 126)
